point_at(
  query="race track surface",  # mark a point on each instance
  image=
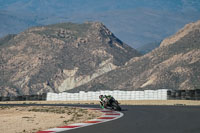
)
(147, 119)
(150, 119)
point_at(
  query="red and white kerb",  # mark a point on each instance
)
(108, 115)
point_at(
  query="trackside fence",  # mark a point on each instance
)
(41, 97)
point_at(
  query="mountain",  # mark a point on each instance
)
(146, 48)
(59, 57)
(135, 22)
(13, 23)
(175, 64)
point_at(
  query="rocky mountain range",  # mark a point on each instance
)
(175, 64)
(73, 57)
(59, 57)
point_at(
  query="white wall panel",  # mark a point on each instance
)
(119, 95)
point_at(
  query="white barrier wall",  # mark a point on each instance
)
(118, 95)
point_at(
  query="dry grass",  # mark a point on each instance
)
(31, 119)
(123, 102)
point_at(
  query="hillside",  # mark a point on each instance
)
(59, 57)
(173, 65)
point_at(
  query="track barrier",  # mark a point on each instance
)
(41, 97)
(161, 94)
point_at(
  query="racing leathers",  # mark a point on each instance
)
(104, 100)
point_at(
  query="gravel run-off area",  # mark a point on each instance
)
(31, 119)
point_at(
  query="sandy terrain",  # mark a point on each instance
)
(31, 119)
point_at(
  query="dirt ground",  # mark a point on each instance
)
(31, 119)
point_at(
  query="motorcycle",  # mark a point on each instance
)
(113, 104)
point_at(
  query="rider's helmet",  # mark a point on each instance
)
(100, 96)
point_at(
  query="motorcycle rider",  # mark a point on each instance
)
(104, 100)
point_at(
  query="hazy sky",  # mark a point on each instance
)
(135, 22)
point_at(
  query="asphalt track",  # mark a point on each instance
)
(148, 119)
